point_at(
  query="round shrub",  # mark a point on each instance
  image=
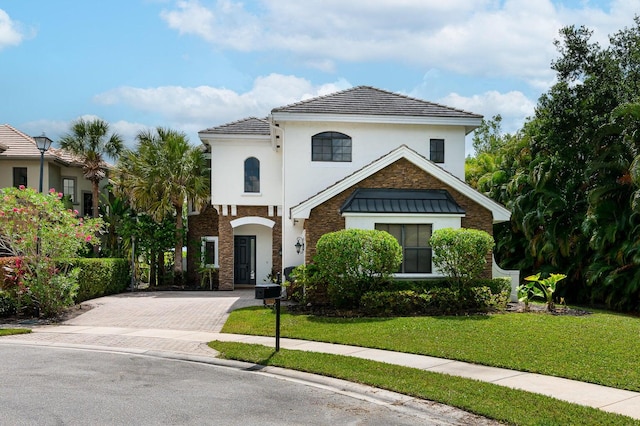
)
(355, 261)
(461, 254)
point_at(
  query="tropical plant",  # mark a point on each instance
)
(461, 254)
(541, 287)
(91, 142)
(160, 175)
(355, 261)
(39, 231)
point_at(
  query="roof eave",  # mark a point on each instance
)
(469, 123)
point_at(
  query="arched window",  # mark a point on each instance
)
(331, 146)
(251, 175)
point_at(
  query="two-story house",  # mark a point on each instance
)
(361, 158)
(20, 165)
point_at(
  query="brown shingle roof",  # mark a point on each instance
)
(366, 100)
(246, 126)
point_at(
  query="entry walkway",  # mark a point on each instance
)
(182, 323)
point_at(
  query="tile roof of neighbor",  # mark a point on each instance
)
(246, 126)
(372, 200)
(366, 100)
(16, 144)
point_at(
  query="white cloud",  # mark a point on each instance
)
(514, 107)
(10, 32)
(196, 108)
(511, 38)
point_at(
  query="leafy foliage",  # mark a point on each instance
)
(160, 176)
(355, 261)
(567, 175)
(461, 254)
(37, 229)
(91, 142)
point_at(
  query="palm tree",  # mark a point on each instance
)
(90, 141)
(159, 177)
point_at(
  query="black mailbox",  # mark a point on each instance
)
(268, 291)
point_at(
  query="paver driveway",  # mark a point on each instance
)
(170, 310)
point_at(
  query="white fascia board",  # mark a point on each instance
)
(382, 119)
(211, 138)
(499, 212)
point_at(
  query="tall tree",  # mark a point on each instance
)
(160, 175)
(91, 141)
(574, 195)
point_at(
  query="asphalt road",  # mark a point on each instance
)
(62, 386)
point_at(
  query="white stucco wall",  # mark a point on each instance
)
(227, 172)
(304, 178)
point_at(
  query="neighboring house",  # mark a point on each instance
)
(20, 165)
(361, 158)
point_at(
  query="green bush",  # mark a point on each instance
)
(306, 285)
(355, 261)
(461, 254)
(436, 297)
(100, 277)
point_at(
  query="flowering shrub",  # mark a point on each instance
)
(37, 229)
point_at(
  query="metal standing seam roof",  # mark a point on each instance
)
(366, 100)
(246, 126)
(405, 201)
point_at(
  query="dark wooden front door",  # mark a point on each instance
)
(244, 259)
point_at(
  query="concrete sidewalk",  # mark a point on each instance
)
(182, 323)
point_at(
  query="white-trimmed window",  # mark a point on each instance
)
(414, 240)
(436, 150)
(331, 146)
(209, 252)
(69, 188)
(252, 175)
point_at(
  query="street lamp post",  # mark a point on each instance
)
(43, 143)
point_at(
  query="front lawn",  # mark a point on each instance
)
(486, 399)
(601, 348)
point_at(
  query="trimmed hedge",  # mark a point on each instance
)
(436, 297)
(101, 277)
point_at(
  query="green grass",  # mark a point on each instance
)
(486, 399)
(602, 348)
(10, 331)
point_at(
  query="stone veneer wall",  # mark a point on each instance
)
(225, 242)
(204, 224)
(401, 175)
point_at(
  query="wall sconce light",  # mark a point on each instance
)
(299, 245)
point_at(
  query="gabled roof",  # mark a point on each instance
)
(366, 100)
(246, 126)
(499, 212)
(403, 201)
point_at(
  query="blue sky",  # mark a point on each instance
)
(194, 64)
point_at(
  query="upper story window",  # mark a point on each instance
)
(437, 150)
(251, 175)
(331, 146)
(19, 176)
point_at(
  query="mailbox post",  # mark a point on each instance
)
(272, 291)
